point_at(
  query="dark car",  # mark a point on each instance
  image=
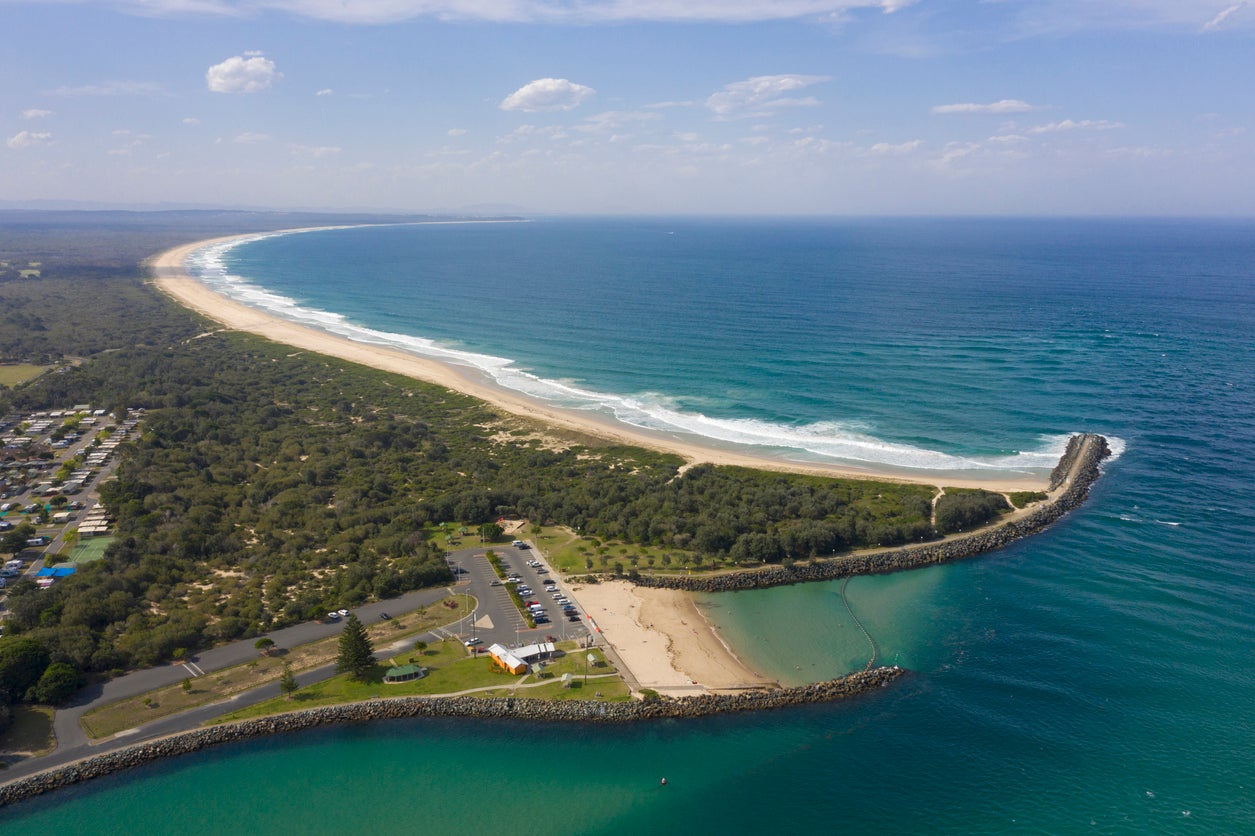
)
(383, 616)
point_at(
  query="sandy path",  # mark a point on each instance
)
(170, 277)
(663, 640)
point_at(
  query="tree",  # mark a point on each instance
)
(15, 540)
(287, 682)
(58, 683)
(22, 661)
(356, 655)
(264, 644)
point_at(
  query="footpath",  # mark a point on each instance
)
(73, 743)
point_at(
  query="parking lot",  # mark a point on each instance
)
(497, 619)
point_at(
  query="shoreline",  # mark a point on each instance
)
(170, 276)
(396, 708)
(663, 642)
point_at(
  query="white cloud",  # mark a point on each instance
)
(1070, 125)
(900, 148)
(749, 97)
(28, 139)
(326, 91)
(239, 74)
(111, 88)
(1002, 106)
(547, 94)
(250, 138)
(35, 113)
(316, 152)
(457, 132)
(191, 120)
(1220, 19)
(614, 120)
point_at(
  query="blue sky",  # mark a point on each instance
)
(634, 106)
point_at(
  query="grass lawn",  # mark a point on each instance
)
(450, 671)
(18, 373)
(31, 732)
(135, 711)
(609, 689)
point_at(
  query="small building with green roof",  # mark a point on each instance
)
(404, 673)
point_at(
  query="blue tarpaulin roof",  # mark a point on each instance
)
(58, 572)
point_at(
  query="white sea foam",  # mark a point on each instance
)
(828, 441)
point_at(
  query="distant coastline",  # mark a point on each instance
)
(172, 278)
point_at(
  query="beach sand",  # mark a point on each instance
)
(663, 640)
(659, 635)
(170, 277)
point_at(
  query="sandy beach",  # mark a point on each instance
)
(663, 640)
(659, 635)
(170, 276)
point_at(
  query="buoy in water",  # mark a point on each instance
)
(664, 782)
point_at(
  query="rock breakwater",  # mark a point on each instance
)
(512, 708)
(1080, 463)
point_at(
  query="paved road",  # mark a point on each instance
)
(497, 618)
(72, 741)
(495, 608)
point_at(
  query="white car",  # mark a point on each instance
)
(343, 612)
(333, 616)
(473, 642)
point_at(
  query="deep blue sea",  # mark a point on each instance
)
(1096, 678)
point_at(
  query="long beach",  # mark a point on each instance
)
(171, 276)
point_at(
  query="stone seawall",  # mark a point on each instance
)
(911, 557)
(512, 708)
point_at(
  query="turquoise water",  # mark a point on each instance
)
(1095, 678)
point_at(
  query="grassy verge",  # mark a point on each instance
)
(218, 685)
(18, 373)
(31, 733)
(450, 671)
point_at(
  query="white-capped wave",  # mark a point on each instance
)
(828, 441)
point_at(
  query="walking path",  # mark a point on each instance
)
(73, 743)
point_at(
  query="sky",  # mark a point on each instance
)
(748, 107)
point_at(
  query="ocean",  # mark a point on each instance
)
(1093, 678)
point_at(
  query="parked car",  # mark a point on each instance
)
(473, 641)
(333, 616)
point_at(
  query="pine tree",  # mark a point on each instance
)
(288, 683)
(356, 653)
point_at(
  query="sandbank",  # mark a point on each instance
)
(170, 276)
(663, 640)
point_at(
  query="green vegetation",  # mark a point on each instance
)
(962, 509)
(269, 485)
(1022, 499)
(357, 654)
(287, 683)
(14, 374)
(450, 671)
(219, 685)
(29, 733)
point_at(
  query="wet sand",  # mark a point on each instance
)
(170, 277)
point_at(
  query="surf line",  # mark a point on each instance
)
(859, 624)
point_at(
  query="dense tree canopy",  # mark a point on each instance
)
(271, 485)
